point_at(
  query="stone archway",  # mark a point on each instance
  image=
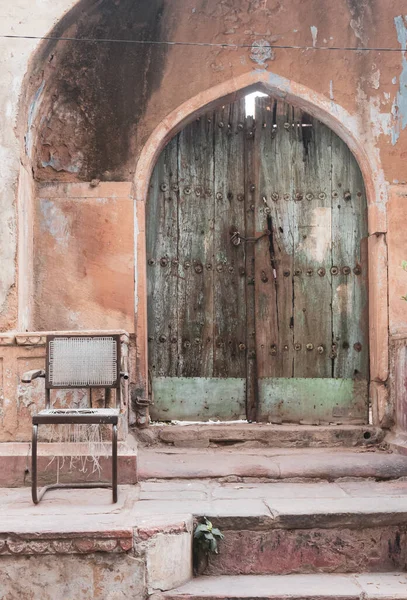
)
(348, 128)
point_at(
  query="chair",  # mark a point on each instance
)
(79, 361)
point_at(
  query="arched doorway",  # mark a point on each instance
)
(256, 236)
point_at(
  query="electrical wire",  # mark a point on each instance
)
(200, 44)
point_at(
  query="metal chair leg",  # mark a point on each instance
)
(34, 492)
(114, 463)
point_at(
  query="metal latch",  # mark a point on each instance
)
(236, 238)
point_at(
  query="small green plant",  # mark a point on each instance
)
(206, 538)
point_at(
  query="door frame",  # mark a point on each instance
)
(350, 129)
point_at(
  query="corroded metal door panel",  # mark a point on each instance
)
(311, 288)
(196, 276)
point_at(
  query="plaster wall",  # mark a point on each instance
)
(72, 113)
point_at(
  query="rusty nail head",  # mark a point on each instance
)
(286, 348)
(175, 261)
(187, 190)
(164, 187)
(321, 272)
(186, 344)
(345, 345)
(209, 267)
(334, 194)
(286, 196)
(175, 187)
(231, 269)
(150, 338)
(357, 270)
(197, 341)
(164, 261)
(242, 347)
(240, 197)
(347, 196)
(273, 349)
(198, 268)
(358, 347)
(198, 191)
(219, 196)
(299, 196)
(286, 273)
(252, 187)
(264, 277)
(297, 272)
(297, 346)
(310, 196)
(252, 207)
(310, 271)
(310, 347)
(151, 261)
(173, 340)
(230, 196)
(252, 354)
(240, 126)
(322, 195)
(346, 270)
(286, 125)
(162, 338)
(320, 349)
(219, 268)
(221, 124)
(275, 196)
(334, 270)
(187, 264)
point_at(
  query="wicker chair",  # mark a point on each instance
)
(79, 361)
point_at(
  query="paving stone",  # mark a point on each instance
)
(277, 490)
(294, 587)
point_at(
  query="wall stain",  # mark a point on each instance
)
(399, 109)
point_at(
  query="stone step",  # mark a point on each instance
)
(282, 528)
(270, 463)
(68, 462)
(386, 586)
(262, 435)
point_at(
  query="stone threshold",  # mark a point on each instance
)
(270, 464)
(261, 434)
(369, 586)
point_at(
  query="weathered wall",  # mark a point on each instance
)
(85, 111)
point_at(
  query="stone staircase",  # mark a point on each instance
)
(324, 522)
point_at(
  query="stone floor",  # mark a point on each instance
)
(281, 503)
(388, 586)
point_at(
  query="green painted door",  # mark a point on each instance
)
(257, 275)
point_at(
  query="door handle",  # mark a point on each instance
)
(237, 238)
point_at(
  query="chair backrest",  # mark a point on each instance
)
(82, 361)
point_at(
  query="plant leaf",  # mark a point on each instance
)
(208, 536)
(200, 529)
(217, 532)
(214, 546)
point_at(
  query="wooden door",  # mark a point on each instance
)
(311, 278)
(257, 289)
(196, 276)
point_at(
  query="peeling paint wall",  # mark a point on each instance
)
(74, 112)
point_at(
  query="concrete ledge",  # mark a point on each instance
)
(69, 462)
(386, 586)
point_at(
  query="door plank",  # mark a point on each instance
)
(311, 158)
(229, 286)
(349, 292)
(274, 211)
(195, 249)
(162, 270)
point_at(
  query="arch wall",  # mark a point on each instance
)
(345, 126)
